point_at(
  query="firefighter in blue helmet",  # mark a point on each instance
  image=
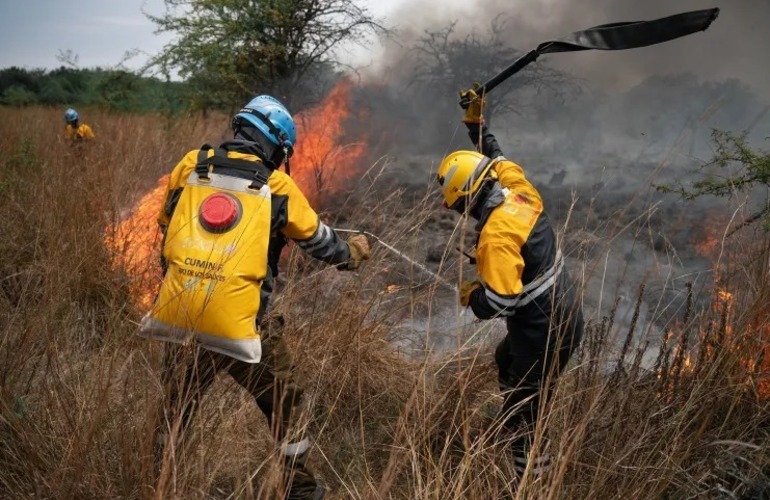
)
(75, 131)
(521, 278)
(227, 214)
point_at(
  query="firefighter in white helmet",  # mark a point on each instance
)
(521, 278)
(226, 216)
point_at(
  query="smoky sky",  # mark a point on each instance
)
(735, 46)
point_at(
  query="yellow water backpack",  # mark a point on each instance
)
(216, 248)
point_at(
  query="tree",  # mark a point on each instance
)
(444, 62)
(120, 90)
(20, 77)
(18, 95)
(449, 63)
(52, 92)
(747, 169)
(231, 50)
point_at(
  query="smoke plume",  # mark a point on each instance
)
(600, 126)
(735, 46)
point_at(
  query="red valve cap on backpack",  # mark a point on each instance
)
(219, 212)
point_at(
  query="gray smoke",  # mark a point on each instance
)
(605, 129)
(735, 46)
(650, 104)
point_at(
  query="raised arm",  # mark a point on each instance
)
(483, 140)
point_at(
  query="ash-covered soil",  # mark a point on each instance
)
(618, 232)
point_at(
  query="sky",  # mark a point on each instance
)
(100, 32)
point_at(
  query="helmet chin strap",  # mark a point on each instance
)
(286, 157)
(288, 150)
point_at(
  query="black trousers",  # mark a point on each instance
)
(188, 371)
(533, 354)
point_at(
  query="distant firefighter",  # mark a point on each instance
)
(75, 131)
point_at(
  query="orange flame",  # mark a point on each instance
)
(761, 365)
(135, 246)
(707, 246)
(322, 163)
(707, 239)
(323, 160)
(710, 242)
(724, 298)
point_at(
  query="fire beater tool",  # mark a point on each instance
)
(614, 36)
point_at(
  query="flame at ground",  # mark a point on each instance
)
(709, 242)
(134, 244)
(756, 357)
(708, 239)
(707, 246)
(323, 162)
(745, 327)
(725, 297)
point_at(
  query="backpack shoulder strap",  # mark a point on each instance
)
(202, 165)
(259, 171)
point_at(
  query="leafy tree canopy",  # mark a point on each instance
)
(231, 50)
(744, 169)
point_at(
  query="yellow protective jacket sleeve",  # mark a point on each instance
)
(499, 260)
(301, 221)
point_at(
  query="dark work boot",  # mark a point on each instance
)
(303, 484)
(539, 463)
(320, 490)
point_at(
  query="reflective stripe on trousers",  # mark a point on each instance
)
(294, 449)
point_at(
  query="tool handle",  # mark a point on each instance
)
(511, 70)
(613, 36)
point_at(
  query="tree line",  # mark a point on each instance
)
(224, 52)
(113, 89)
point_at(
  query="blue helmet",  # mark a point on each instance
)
(70, 115)
(270, 117)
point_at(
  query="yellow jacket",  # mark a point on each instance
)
(517, 259)
(82, 132)
(217, 286)
(499, 261)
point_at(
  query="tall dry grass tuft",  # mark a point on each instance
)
(394, 411)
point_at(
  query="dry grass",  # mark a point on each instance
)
(79, 392)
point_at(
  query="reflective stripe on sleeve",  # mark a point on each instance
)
(321, 237)
(543, 284)
(500, 304)
(506, 306)
(541, 464)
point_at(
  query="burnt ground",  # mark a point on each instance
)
(617, 231)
